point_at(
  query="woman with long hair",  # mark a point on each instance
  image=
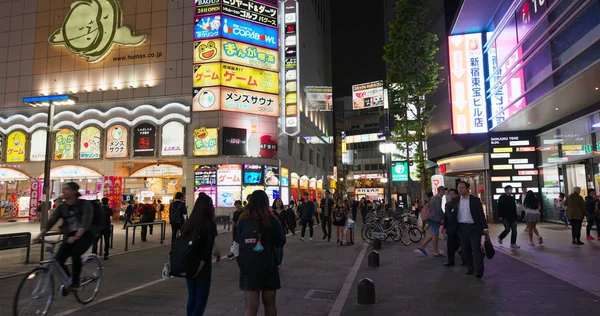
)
(259, 233)
(340, 215)
(201, 224)
(279, 212)
(532, 216)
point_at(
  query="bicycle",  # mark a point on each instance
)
(41, 282)
(382, 229)
(409, 226)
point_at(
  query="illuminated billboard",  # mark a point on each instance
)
(467, 84)
(249, 78)
(252, 11)
(290, 34)
(216, 49)
(206, 141)
(367, 95)
(207, 6)
(235, 100)
(318, 98)
(247, 32)
(207, 27)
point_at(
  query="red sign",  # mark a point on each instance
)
(528, 172)
(525, 149)
(443, 168)
(113, 188)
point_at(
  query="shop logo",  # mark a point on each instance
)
(207, 99)
(207, 51)
(92, 27)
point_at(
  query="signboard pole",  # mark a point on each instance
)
(47, 166)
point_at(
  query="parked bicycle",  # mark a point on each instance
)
(38, 286)
(382, 228)
(410, 227)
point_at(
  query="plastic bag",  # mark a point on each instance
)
(235, 249)
(350, 224)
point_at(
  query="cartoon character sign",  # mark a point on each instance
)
(89, 147)
(91, 28)
(15, 149)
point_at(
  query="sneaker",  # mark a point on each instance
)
(540, 240)
(515, 246)
(531, 243)
(499, 241)
(419, 250)
(589, 237)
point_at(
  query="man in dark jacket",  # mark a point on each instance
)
(326, 211)
(307, 212)
(129, 211)
(147, 214)
(507, 211)
(451, 227)
(105, 233)
(592, 204)
(177, 212)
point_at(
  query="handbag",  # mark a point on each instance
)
(488, 248)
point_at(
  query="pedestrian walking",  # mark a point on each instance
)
(105, 233)
(576, 210)
(317, 214)
(289, 218)
(363, 209)
(562, 212)
(307, 212)
(507, 211)
(201, 224)
(259, 233)
(593, 214)
(278, 210)
(234, 220)
(451, 228)
(471, 226)
(326, 212)
(146, 213)
(436, 215)
(177, 211)
(129, 211)
(160, 208)
(354, 207)
(340, 216)
(532, 216)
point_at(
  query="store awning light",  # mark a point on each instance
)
(45, 100)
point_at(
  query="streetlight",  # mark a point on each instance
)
(49, 101)
(387, 148)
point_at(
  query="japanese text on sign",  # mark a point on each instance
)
(251, 11)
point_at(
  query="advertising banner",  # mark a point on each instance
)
(205, 175)
(290, 31)
(38, 146)
(207, 27)
(209, 190)
(173, 139)
(400, 171)
(469, 114)
(234, 141)
(15, 147)
(251, 102)
(207, 51)
(249, 78)
(367, 95)
(206, 99)
(144, 140)
(113, 190)
(319, 98)
(251, 188)
(35, 196)
(206, 141)
(253, 174)
(436, 181)
(226, 196)
(251, 33)
(368, 191)
(207, 7)
(206, 75)
(273, 193)
(116, 142)
(249, 55)
(252, 11)
(64, 144)
(89, 144)
(285, 177)
(271, 176)
(229, 175)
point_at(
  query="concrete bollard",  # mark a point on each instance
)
(373, 259)
(377, 244)
(366, 292)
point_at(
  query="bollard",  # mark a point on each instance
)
(366, 292)
(377, 244)
(373, 259)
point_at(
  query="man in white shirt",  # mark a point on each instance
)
(471, 226)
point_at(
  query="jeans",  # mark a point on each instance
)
(310, 227)
(563, 217)
(106, 235)
(279, 253)
(74, 251)
(198, 290)
(326, 225)
(576, 229)
(510, 225)
(127, 220)
(590, 222)
(175, 228)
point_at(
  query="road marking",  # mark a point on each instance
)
(338, 306)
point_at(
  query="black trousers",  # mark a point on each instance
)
(470, 241)
(106, 235)
(453, 246)
(326, 226)
(590, 223)
(74, 251)
(310, 223)
(127, 220)
(144, 232)
(576, 229)
(175, 229)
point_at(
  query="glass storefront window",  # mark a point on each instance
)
(552, 185)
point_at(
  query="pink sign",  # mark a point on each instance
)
(35, 196)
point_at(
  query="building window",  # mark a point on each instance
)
(319, 160)
(301, 148)
(311, 159)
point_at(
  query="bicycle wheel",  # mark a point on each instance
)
(90, 280)
(415, 235)
(402, 233)
(365, 233)
(37, 288)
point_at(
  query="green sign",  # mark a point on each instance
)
(400, 171)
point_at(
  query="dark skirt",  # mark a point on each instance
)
(269, 281)
(339, 223)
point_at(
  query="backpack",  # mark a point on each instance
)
(182, 255)
(252, 262)
(148, 214)
(425, 214)
(175, 214)
(98, 218)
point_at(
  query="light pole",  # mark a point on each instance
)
(387, 148)
(50, 102)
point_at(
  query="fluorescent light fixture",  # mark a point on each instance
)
(62, 99)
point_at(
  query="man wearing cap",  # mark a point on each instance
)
(435, 218)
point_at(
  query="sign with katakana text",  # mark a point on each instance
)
(206, 141)
(207, 75)
(251, 33)
(229, 175)
(252, 11)
(15, 147)
(207, 27)
(116, 142)
(244, 101)
(249, 78)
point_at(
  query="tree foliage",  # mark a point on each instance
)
(413, 73)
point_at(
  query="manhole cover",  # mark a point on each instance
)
(320, 295)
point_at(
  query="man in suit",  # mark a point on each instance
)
(326, 212)
(471, 226)
(451, 227)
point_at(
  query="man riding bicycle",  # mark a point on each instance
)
(77, 215)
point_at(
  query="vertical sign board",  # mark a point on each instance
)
(290, 56)
(467, 88)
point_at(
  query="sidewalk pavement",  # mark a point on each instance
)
(408, 283)
(13, 261)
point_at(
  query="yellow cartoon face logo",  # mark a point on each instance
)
(92, 27)
(207, 51)
(200, 133)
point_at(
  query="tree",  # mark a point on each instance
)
(413, 73)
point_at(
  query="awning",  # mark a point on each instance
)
(7, 174)
(72, 172)
(162, 171)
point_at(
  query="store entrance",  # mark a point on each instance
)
(153, 185)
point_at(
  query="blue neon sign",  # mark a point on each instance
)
(207, 27)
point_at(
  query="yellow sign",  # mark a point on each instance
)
(503, 150)
(207, 75)
(206, 141)
(15, 147)
(92, 27)
(502, 167)
(207, 51)
(249, 55)
(249, 78)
